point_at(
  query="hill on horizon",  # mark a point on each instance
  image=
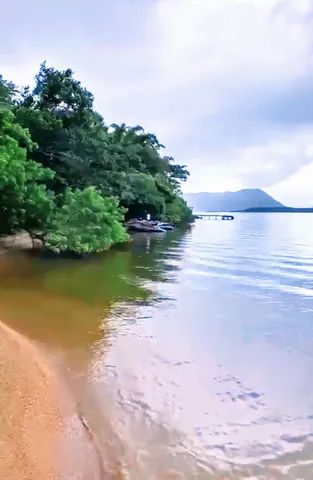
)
(231, 201)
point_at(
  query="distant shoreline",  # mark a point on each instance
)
(260, 210)
(247, 200)
(277, 210)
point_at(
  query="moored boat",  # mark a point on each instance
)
(136, 225)
(166, 226)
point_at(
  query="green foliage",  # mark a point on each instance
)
(62, 168)
(141, 195)
(59, 91)
(25, 202)
(7, 92)
(178, 212)
(56, 109)
(86, 222)
(121, 161)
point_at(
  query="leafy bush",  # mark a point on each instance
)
(142, 196)
(25, 202)
(85, 223)
(178, 212)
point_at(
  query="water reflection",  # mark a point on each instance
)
(197, 345)
(214, 379)
(66, 301)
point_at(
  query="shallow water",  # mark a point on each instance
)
(190, 353)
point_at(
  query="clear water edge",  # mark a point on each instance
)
(190, 353)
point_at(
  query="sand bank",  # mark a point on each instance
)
(41, 434)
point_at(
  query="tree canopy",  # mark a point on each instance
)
(25, 201)
(86, 223)
(54, 145)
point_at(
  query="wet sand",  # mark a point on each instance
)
(42, 436)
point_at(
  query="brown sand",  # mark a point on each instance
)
(41, 438)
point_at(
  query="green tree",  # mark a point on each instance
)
(54, 111)
(178, 212)
(86, 222)
(59, 91)
(7, 92)
(73, 140)
(25, 202)
(142, 196)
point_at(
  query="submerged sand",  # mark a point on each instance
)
(41, 434)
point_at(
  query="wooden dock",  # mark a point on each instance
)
(213, 216)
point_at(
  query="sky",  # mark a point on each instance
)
(226, 85)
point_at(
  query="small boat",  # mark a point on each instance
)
(166, 226)
(136, 225)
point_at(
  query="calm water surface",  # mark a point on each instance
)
(190, 353)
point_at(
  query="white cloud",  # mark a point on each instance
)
(264, 164)
(297, 189)
(226, 84)
(230, 37)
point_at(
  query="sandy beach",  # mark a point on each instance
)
(41, 434)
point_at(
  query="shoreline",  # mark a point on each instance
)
(16, 241)
(43, 436)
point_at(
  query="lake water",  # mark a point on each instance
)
(190, 353)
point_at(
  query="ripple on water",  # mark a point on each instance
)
(198, 346)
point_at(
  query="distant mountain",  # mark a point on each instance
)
(231, 201)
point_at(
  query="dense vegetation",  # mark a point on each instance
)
(66, 175)
(86, 222)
